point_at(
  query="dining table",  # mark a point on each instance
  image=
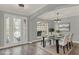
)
(56, 39)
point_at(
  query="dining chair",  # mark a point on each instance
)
(70, 42)
(64, 43)
(47, 40)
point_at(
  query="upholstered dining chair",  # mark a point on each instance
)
(70, 42)
(64, 43)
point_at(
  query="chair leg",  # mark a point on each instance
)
(67, 47)
(53, 41)
(41, 42)
(70, 45)
(50, 42)
(64, 49)
(44, 44)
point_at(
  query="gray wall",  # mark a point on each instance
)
(74, 26)
(33, 28)
(51, 24)
(1, 29)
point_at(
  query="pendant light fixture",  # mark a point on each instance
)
(57, 17)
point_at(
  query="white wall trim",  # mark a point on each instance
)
(13, 45)
(35, 41)
(41, 39)
(76, 42)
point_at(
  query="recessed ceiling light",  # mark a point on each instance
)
(21, 5)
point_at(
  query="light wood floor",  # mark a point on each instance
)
(37, 49)
(52, 49)
(75, 50)
(28, 49)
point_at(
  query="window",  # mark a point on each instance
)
(17, 29)
(7, 29)
(42, 26)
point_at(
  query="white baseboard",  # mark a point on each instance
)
(40, 40)
(76, 42)
(12, 45)
(35, 41)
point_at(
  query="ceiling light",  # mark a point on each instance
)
(57, 17)
(21, 5)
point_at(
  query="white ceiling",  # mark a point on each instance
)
(63, 12)
(29, 9)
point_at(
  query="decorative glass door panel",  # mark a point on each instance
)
(16, 30)
(7, 30)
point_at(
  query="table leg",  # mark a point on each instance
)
(50, 42)
(43, 42)
(57, 46)
(53, 41)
